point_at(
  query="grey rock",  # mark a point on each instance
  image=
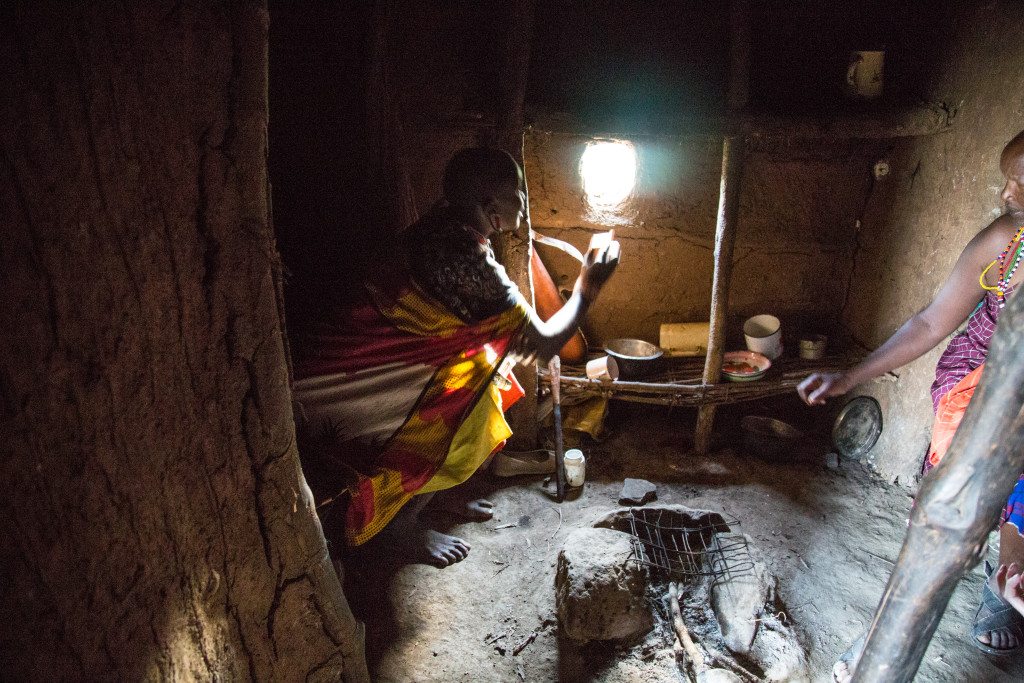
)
(739, 598)
(718, 676)
(637, 492)
(599, 589)
(778, 652)
(832, 461)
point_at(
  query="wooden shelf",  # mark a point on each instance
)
(679, 382)
(883, 123)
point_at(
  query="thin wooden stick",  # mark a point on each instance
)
(695, 655)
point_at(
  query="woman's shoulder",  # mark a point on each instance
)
(992, 239)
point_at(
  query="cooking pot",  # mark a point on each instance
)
(636, 358)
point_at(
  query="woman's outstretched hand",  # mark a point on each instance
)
(821, 386)
(598, 265)
(1009, 579)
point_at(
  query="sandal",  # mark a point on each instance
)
(995, 614)
(850, 657)
(515, 463)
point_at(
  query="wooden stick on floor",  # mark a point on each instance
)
(695, 655)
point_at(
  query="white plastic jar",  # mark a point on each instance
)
(575, 467)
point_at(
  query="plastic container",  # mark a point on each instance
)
(684, 339)
(575, 467)
(604, 368)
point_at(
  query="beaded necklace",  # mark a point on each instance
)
(1005, 274)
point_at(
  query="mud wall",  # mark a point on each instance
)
(798, 211)
(942, 190)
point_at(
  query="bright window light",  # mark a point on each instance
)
(609, 172)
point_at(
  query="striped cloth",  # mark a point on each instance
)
(383, 397)
(967, 350)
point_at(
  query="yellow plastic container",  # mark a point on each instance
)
(684, 339)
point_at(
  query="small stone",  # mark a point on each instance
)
(718, 676)
(637, 492)
(599, 589)
(832, 461)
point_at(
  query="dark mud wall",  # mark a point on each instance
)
(356, 88)
(941, 191)
(155, 522)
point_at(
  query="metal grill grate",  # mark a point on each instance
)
(663, 542)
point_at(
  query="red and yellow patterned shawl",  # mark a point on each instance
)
(399, 327)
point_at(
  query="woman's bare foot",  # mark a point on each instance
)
(440, 550)
(479, 510)
(1001, 639)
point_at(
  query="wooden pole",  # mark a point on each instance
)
(728, 208)
(725, 238)
(956, 509)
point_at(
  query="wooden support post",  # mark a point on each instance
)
(956, 509)
(515, 248)
(728, 208)
(725, 238)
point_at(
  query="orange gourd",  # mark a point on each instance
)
(548, 302)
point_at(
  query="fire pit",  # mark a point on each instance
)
(642, 576)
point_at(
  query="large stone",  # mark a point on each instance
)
(599, 589)
(739, 598)
(778, 652)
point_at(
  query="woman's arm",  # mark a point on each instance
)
(955, 300)
(546, 338)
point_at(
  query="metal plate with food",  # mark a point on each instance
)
(744, 366)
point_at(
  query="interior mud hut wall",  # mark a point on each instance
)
(155, 521)
(941, 191)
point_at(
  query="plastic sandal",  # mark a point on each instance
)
(998, 615)
(515, 463)
(849, 657)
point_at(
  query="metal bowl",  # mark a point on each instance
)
(769, 438)
(636, 358)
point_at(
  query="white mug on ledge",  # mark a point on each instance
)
(864, 75)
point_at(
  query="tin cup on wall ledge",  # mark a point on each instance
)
(812, 346)
(763, 334)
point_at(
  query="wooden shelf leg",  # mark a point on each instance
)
(725, 238)
(728, 208)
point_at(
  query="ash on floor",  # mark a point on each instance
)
(829, 536)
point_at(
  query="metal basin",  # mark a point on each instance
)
(769, 438)
(636, 358)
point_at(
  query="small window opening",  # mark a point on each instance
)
(608, 168)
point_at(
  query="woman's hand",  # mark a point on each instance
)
(822, 385)
(1008, 579)
(598, 266)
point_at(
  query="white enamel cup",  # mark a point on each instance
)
(763, 334)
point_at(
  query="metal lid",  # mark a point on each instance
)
(857, 427)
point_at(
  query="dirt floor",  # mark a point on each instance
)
(830, 538)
